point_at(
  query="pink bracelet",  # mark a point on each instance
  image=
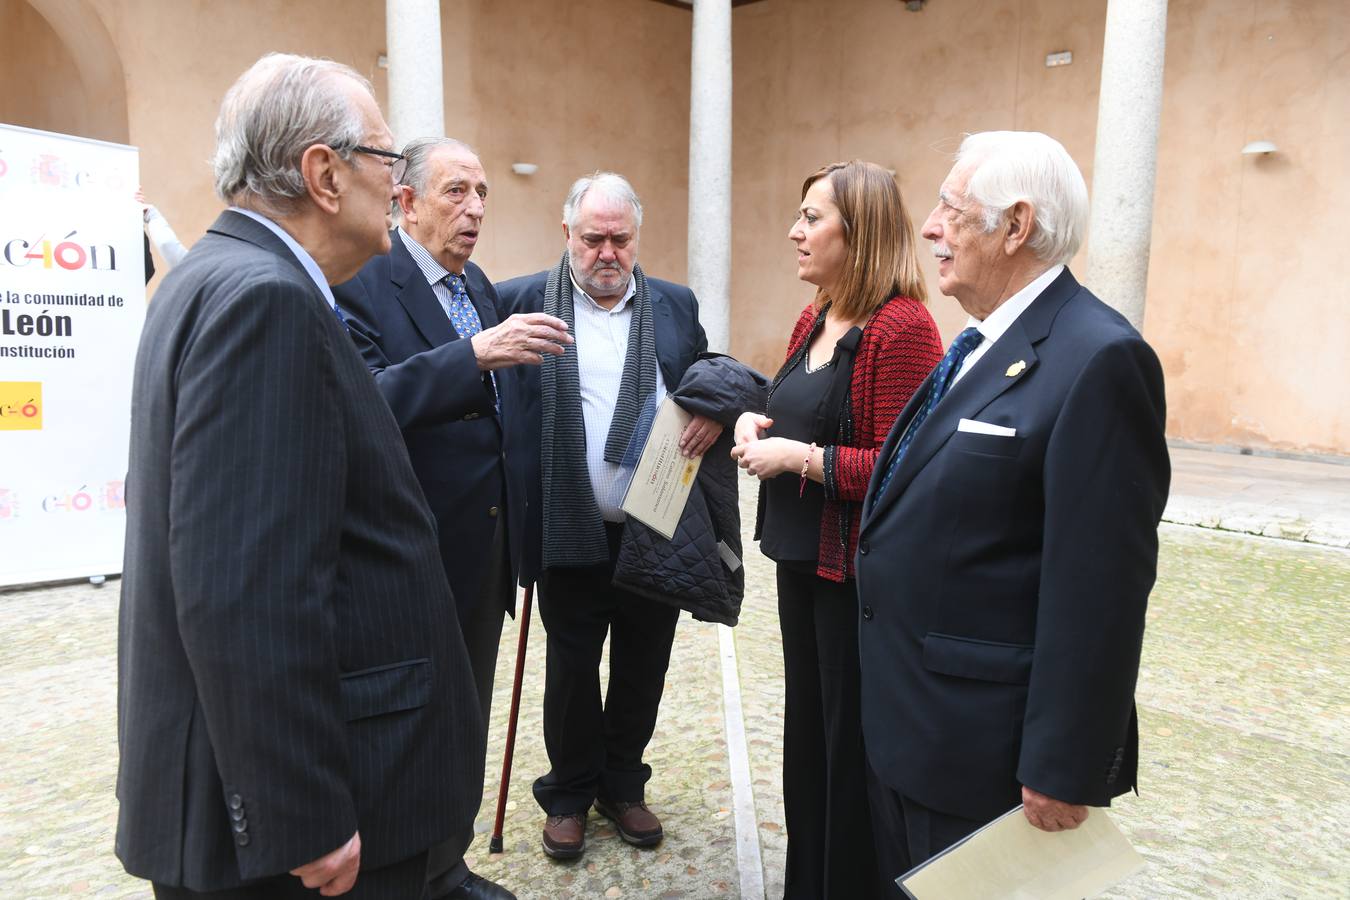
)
(806, 464)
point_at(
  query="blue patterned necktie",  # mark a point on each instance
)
(463, 315)
(965, 342)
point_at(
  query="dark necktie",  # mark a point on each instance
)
(965, 342)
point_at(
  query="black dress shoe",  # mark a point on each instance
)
(476, 888)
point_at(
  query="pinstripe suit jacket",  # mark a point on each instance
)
(290, 668)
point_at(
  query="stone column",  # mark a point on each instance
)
(416, 93)
(1127, 153)
(710, 169)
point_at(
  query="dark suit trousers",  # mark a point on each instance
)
(596, 749)
(830, 852)
(907, 832)
(401, 881)
(482, 627)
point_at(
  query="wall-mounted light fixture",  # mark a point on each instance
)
(1257, 148)
(524, 168)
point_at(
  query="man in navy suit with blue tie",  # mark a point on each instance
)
(426, 322)
(1009, 537)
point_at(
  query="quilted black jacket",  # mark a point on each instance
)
(689, 570)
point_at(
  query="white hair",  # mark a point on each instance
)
(611, 186)
(1008, 167)
(419, 151)
(280, 107)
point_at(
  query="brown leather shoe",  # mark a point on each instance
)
(565, 836)
(637, 824)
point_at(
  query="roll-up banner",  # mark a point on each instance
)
(72, 302)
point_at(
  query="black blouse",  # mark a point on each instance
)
(791, 531)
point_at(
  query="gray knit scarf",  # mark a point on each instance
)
(574, 534)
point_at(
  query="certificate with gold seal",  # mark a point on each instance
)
(663, 478)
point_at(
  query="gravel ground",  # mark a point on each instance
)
(1244, 714)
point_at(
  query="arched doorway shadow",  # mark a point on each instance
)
(86, 38)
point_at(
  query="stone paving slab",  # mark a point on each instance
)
(1294, 499)
(1244, 718)
(689, 789)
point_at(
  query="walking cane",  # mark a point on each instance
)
(495, 845)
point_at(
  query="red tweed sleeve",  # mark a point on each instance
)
(900, 346)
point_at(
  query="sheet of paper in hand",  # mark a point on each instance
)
(663, 478)
(1011, 858)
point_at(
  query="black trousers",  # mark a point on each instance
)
(830, 849)
(907, 832)
(400, 881)
(595, 748)
(481, 624)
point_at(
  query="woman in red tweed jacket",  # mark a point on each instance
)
(857, 353)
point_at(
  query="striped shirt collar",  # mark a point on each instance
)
(432, 270)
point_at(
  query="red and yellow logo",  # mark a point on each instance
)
(20, 406)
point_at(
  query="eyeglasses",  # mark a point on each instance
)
(396, 168)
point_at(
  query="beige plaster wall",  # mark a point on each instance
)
(818, 81)
(1249, 274)
(571, 87)
(1249, 282)
(181, 56)
(50, 96)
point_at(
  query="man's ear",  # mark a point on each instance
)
(1021, 220)
(325, 176)
(405, 203)
(567, 234)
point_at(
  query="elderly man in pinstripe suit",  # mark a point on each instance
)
(296, 709)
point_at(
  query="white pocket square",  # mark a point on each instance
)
(976, 427)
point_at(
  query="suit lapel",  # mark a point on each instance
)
(667, 348)
(479, 295)
(892, 439)
(416, 296)
(1011, 360)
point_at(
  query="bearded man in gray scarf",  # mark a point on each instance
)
(635, 339)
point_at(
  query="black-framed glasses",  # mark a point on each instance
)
(396, 168)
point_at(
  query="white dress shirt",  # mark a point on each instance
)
(1001, 319)
(601, 337)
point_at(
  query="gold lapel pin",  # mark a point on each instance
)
(1016, 368)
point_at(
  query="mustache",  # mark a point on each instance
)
(942, 251)
(603, 266)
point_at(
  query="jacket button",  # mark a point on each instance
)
(242, 839)
(237, 815)
(492, 511)
(470, 417)
(867, 613)
(236, 802)
(240, 826)
(863, 547)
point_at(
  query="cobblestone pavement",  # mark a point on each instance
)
(1244, 720)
